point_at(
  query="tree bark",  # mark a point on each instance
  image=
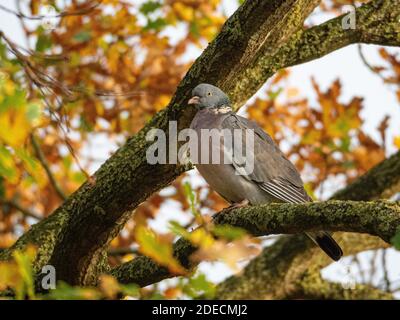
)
(378, 218)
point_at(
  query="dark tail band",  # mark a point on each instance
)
(325, 241)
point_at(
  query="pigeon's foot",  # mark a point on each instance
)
(240, 204)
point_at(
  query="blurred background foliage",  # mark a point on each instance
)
(99, 71)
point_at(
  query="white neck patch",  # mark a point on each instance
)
(221, 110)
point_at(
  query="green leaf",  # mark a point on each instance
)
(64, 291)
(274, 94)
(7, 167)
(345, 144)
(190, 195)
(178, 230)
(157, 296)
(85, 125)
(228, 232)
(24, 261)
(33, 111)
(396, 240)
(2, 188)
(43, 42)
(200, 286)
(156, 24)
(79, 177)
(194, 29)
(15, 101)
(131, 290)
(82, 36)
(149, 7)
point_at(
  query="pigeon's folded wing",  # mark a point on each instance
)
(272, 171)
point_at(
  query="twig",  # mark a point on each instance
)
(14, 204)
(386, 280)
(367, 64)
(42, 80)
(122, 251)
(361, 270)
(373, 270)
(43, 161)
(83, 11)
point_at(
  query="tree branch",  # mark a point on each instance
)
(381, 182)
(312, 286)
(276, 272)
(87, 8)
(26, 212)
(46, 167)
(376, 23)
(144, 271)
(379, 218)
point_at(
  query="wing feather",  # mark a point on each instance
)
(273, 172)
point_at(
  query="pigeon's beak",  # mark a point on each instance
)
(194, 100)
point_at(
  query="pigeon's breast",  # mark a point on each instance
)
(221, 176)
(233, 188)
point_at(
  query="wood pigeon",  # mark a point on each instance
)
(273, 177)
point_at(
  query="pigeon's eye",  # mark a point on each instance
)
(209, 94)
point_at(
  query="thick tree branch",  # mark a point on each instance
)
(377, 22)
(379, 218)
(312, 286)
(277, 272)
(144, 271)
(381, 182)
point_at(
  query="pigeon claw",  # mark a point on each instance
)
(240, 204)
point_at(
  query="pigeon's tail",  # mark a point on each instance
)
(325, 241)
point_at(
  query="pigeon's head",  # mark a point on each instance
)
(207, 96)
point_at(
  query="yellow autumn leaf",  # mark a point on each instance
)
(183, 11)
(17, 116)
(151, 245)
(32, 166)
(201, 238)
(396, 141)
(109, 286)
(162, 102)
(14, 128)
(17, 273)
(8, 168)
(292, 92)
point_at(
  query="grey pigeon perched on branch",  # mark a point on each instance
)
(273, 177)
